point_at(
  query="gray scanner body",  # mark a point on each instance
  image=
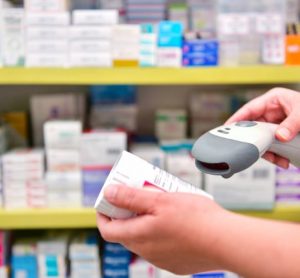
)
(218, 156)
(227, 150)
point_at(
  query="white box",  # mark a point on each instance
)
(142, 269)
(23, 156)
(47, 33)
(95, 17)
(63, 182)
(90, 32)
(152, 153)
(169, 57)
(171, 124)
(55, 6)
(102, 148)
(90, 46)
(63, 160)
(62, 134)
(253, 188)
(64, 199)
(182, 165)
(47, 46)
(45, 19)
(125, 51)
(115, 116)
(126, 32)
(46, 60)
(90, 59)
(12, 48)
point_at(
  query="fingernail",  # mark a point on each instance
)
(110, 192)
(284, 133)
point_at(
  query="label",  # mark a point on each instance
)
(133, 171)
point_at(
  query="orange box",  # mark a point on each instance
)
(292, 50)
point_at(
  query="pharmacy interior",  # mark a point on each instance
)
(84, 81)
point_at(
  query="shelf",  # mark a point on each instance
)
(86, 218)
(47, 218)
(151, 76)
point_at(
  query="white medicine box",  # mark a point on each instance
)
(252, 189)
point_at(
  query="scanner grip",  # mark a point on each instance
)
(289, 150)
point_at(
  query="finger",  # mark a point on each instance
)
(289, 128)
(282, 162)
(136, 200)
(122, 230)
(250, 111)
(277, 160)
(269, 156)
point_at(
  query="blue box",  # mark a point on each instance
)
(200, 61)
(170, 41)
(210, 275)
(170, 28)
(93, 180)
(200, 46)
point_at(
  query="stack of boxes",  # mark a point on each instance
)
(126, 45)
(148, 46)
(24, 261)
(170, 35)
(198, 53)
(62, 142)
(23, 179)
(51, 258)
(288, 186)
(91, 35)
(99, 151)
(47, 30)
(116, 260)
(145, 11)
(85, 260)
(12, 37)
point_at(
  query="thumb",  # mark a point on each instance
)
(289, 128)
(135, 200)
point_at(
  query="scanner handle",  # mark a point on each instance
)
(289, 150)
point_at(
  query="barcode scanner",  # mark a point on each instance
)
(229, 149)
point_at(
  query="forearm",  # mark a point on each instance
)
(258, 248)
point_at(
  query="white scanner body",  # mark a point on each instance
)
(232, 148)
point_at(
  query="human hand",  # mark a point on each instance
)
(280, 106)
(174, 231)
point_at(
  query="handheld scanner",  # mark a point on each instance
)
(229, 149)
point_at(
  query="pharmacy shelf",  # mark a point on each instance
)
(151, 76)
(47, 219)
(86, 218)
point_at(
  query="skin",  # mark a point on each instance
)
(187, 234)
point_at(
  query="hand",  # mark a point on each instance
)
(280, 106)
(174, 231)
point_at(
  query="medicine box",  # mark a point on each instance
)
(95, 17)
(252, 189)
(62, 134)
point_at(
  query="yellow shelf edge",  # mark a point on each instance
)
(86, 218)
(151, 76)
(47, 218)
